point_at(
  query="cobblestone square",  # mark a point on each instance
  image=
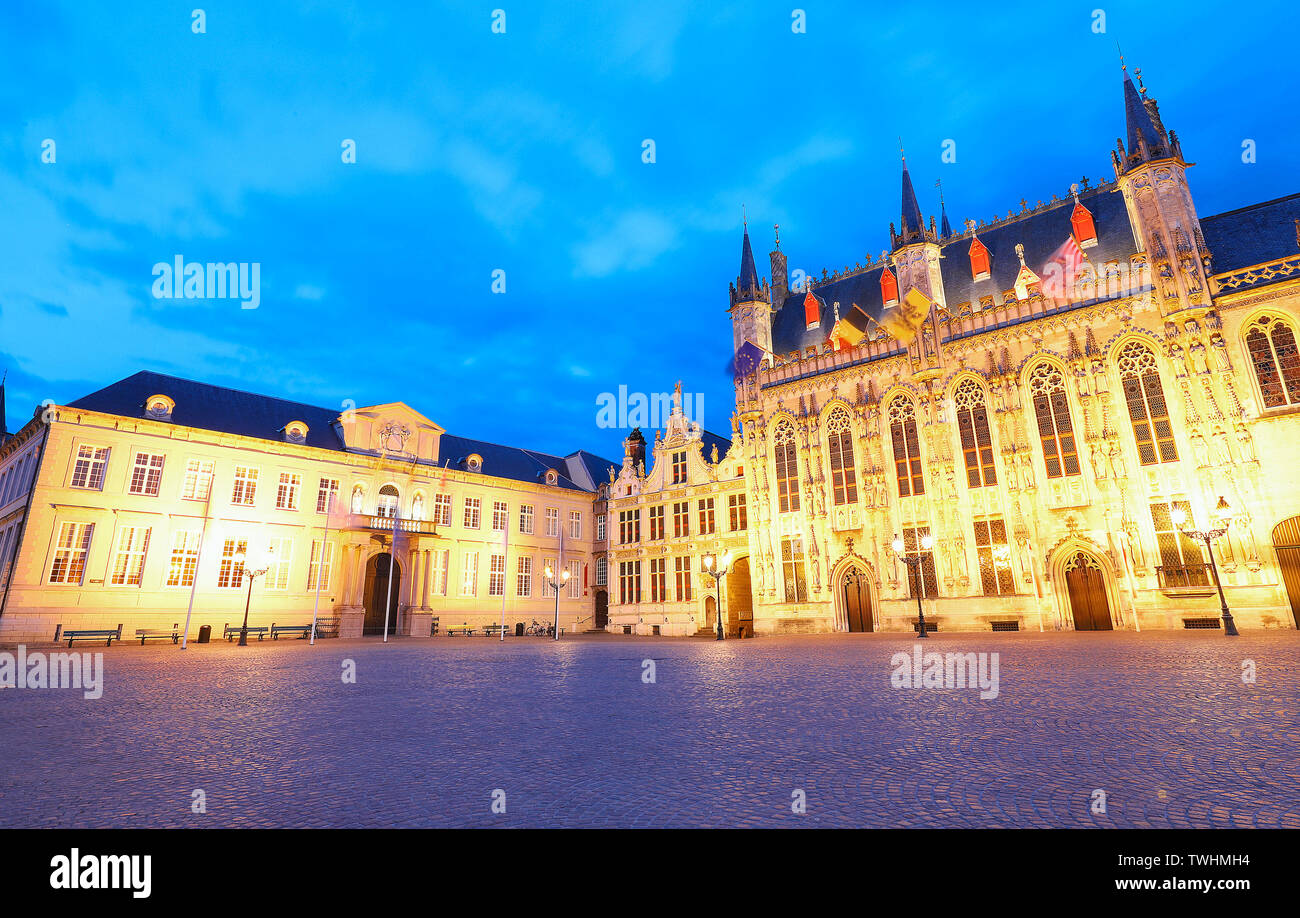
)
(726, 734)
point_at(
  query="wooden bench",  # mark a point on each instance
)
(82, 634)
(230, 633)
(148, 634)
(452, 632)
(303, 631)
(495, 630)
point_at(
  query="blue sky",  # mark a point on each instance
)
(523, 152)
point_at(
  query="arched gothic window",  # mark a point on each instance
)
(907, 448)
(839, 443)
(973, 426)
(787, 473)
(1273, 354)
(1052, 409)
(1146, 404)
(387, 505)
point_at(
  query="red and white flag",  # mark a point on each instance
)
(1060, 276)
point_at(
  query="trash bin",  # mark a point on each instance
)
(205, 634)
(519, 629)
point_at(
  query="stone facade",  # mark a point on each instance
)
(109, 517)
(1045, 436)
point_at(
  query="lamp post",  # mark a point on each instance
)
(557, 584)
(1222, 516)
(239, 559)
(914, 563)
(717, 569)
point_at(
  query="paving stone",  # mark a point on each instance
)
(1161, 722)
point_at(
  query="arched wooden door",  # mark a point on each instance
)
(1286, 542)
(1086, 585)
(857, 600)
(602, 609)
(739, 599)
(710, 613)
(377, 580)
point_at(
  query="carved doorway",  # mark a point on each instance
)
(857, 600)
(1086, 584)
(1286, 542)
(377, 581)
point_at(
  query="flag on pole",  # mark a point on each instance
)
(746, 360)
(1062, 271)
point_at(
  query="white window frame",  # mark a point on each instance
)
(91, 467)
(199, 474)
(286, 491)
(71, 552)
(129, 559)
(243, 493)
(149, 472)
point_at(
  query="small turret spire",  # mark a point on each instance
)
(945, 228)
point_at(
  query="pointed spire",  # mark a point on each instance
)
(747, 287)
(748, 273)
(945, 228)
(912, 221)
(1145, 140)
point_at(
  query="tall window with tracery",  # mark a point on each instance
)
(839, 443)
(1276, 361)
(1052, 409)
(973, 427)
(1146, 404)
(787, 473)
(907, 448)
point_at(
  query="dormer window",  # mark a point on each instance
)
(295, 432)
(474, 462)
(159, 407)
(888, 287)
(552, 477)
(1084, 227)
(979, 260)
(811, 310)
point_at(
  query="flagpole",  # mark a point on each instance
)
(505, 560)
(320, 562)
(392, 562)
(559, 579)
(198, 559)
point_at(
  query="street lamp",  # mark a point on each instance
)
(717, 569)
(557, 584)
(239, 559)
(914, 563)
(1222, 517)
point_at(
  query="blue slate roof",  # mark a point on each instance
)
(210, 407)
(912, 219)
(1041, 232)
(1252, 235)
(1138, 121)
(263, 417)
(711, 440)
(748, 273)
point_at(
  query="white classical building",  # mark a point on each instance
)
(127, 505)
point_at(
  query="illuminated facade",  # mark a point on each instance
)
(1041, 394)
(668, 506)
(117, 508)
